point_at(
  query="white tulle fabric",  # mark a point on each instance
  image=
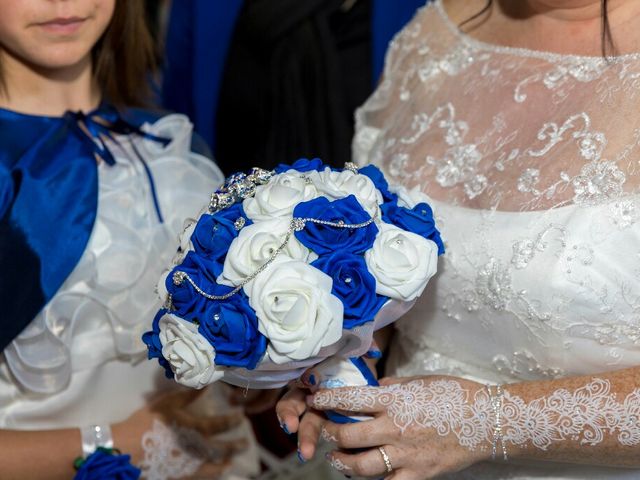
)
(82, 361)
(531, 162)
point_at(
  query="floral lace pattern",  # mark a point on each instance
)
(171, 452)
(531, 162)
(586, 415)
(443, 405)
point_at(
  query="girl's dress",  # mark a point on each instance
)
(90, 218)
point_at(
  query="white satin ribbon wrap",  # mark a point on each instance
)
(354, 343)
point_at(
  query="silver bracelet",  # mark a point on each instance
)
(498, 436)
(94, 436)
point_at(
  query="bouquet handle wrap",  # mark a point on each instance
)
(354, 343)
(339, 372)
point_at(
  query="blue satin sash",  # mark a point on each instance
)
(48, 202)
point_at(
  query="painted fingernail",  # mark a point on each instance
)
(301, 458)
(283, 426)
(312, 379)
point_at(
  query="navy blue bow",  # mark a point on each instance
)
(48, 202)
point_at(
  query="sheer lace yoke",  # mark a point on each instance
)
(500, 128)
(531, 161)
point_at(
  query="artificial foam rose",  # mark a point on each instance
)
(185, 237)
(301, 165)
(377, 177)
(296, 310)
(189, 354)
(418, 219)
(186, 300)
(278, 197)
(353, 285)
(214, 233)
(231, 327)
(409, 198)
(102, 465)
(401, 262)
(323, 239)
(335, 185)
(255, 245)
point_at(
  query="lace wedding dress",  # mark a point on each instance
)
(531, 161)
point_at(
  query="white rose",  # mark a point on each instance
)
(279, 197)
(188, 228)
(296, 310)
(409, 198)
(254, 246)
(401, 262)
(161, 286)
(336, 185)
(190, 355)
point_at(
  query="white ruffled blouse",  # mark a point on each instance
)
(81, 361)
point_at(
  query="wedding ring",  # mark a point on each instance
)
(385, 458)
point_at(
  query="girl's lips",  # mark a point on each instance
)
(62, 26)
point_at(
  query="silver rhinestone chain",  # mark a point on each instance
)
(296, 225)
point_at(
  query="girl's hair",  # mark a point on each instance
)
(124, 58)
(606, 37)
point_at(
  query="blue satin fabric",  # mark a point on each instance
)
(48, 203)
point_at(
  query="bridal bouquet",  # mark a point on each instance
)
(288, 269)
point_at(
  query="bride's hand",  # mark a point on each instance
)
(295, 416)
(426, 426)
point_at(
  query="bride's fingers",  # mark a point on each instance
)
(365, 434)
(309, 433)
(289, 409)
(366, 464)
(348, 399)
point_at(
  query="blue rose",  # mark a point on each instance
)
(214, 233)
(154, 345)
(418, 219)
(187, 302)
(353, 285)
(324, 239)
(377, 177)
(105, 465)
(302, 165)
(231, 326)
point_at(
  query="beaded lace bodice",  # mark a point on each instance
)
(532, 162)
